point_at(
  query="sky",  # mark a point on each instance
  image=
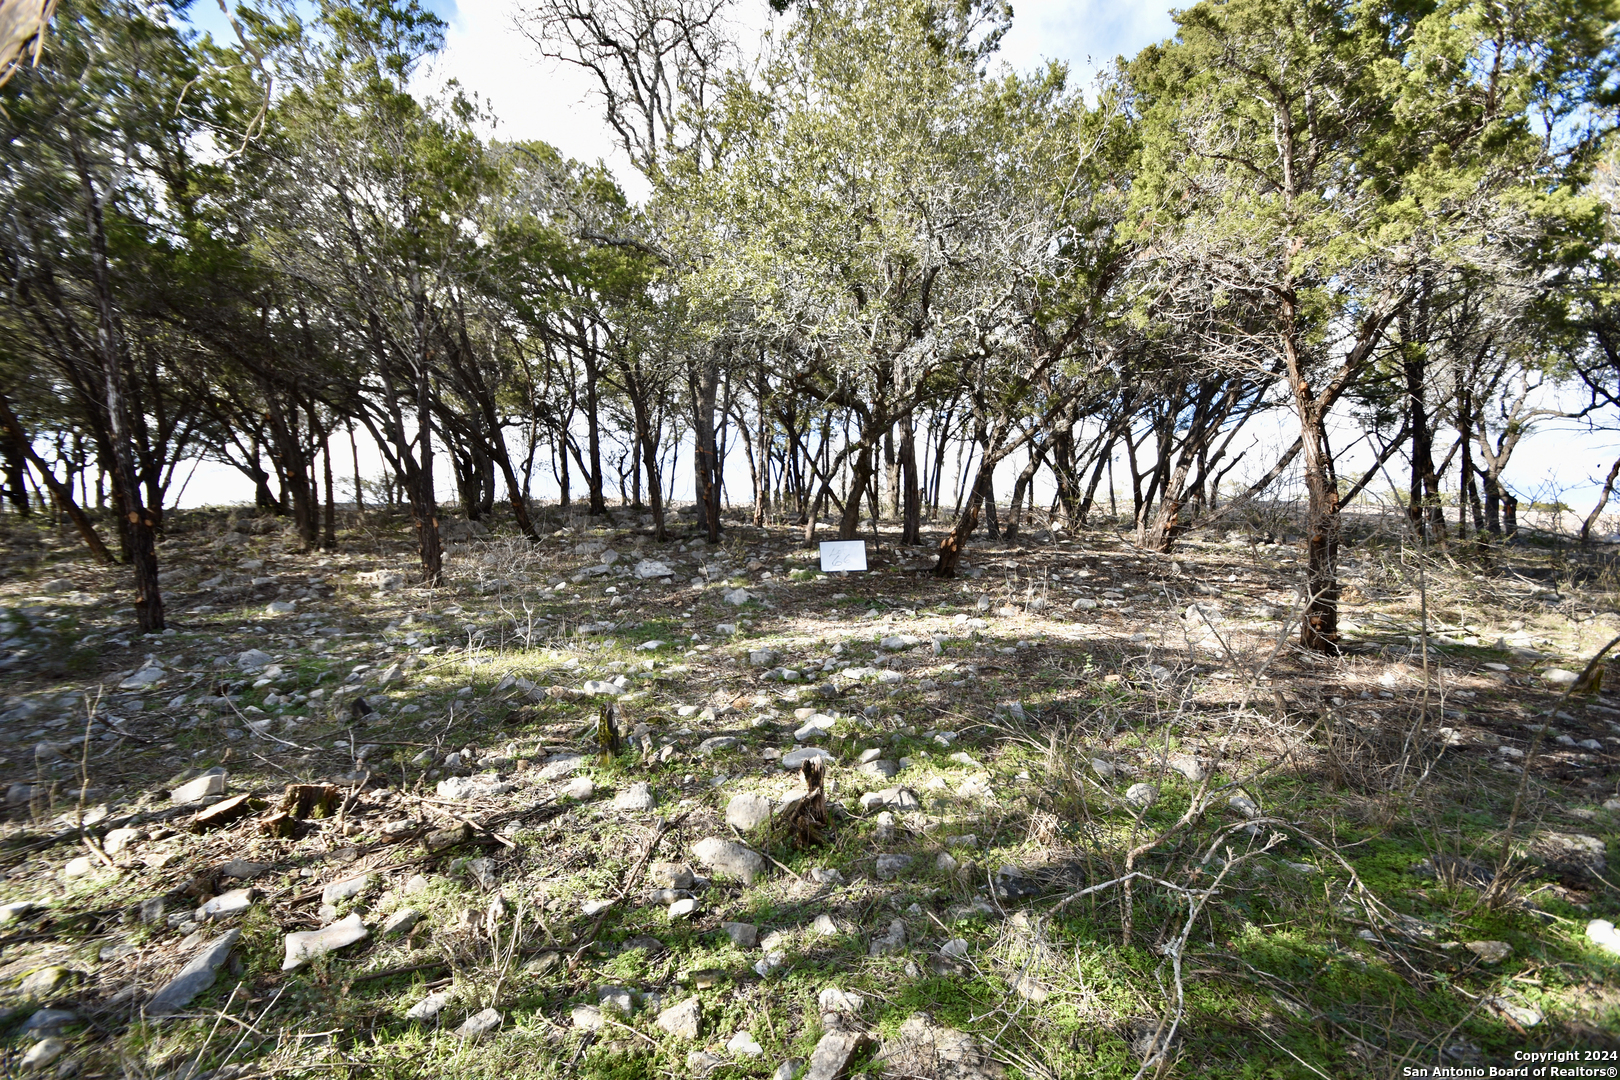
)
(536, 99)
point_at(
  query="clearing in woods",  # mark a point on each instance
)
(1089, 811)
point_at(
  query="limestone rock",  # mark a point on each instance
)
(793, 759)
(478, 1025)
(42, 1053)
(670, 875)
(893, 940)
(729, 859)
(346, 889)
(890, 867)
(922, 1048)
(748, 811)
(836, 1052)
(429, 1007)
(637, 798)
(1489, 952)
(743, 935)
(684, 1021)
(400, 922)
(197, 790)
(1141, 796)
(197, 976)
(307, 945)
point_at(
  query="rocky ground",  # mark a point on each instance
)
(1086, 812)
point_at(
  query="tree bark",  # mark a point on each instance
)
(1603, 500)
(140, 522)
(911, 511)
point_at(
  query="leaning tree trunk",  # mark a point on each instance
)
(850, 524)
(140, 523)
(951, 548)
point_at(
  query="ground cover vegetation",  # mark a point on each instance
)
(1174, 775)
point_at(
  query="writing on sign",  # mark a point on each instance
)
(843, 555)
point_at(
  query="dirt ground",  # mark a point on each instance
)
(1087, 811)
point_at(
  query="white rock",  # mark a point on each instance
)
(737, 597)
(43, 1053)
(580, 787)
(306, 946)
(252, 659)
(743, 1043)
(400, 922)
(1244, 805)
(743, 935)
(816, 725)
(1141, 796)
(201, 788)
(684, 1021)
(1601, 932)
(197, 976)
(228, 903)
(1187, 766)
(598, 686)
(727, 858)
(637, 798)
(900, 798)
(478, 1025)
(429, 1007)
(835, 1000)
(683, 909)
(347, 889)
(651, 568)
(1560, 677)
(748, 811)
(1490, 952)
(562, 765)
(956, 948)
(793, 759)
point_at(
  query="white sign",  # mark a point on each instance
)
(843, 555)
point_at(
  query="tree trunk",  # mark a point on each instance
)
(354, 448)
(424, 501)
(1603, 500)
(593, 429)
(849, 525)
(16, 458)
(139, 521)
(1021, 488)
(329, 533)
(951, 548)
(911, 511)
(705, 383)
(1423, 497)
(891, 474)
